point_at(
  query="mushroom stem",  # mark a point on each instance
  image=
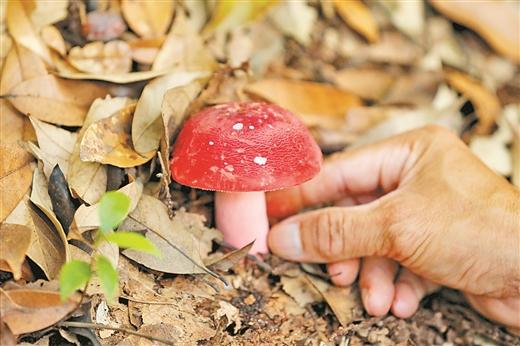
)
(242, 217)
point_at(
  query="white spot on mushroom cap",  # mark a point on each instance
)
(259, 160)
(238, 126)
(211, 142)
(230, 168)
(251, 127)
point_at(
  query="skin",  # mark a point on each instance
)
(412, 213)
(242, 217)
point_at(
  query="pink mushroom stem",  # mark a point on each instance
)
(242, 217)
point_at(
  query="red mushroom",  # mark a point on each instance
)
(241, 150)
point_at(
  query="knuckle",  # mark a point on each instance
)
(330, 240)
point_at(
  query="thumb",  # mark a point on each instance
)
(333, 234)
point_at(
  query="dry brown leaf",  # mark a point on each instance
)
(232, 315)
(123, 78)
(415, 88)
(113, 57)
(407, 16)
(49, 247)
(55, 145)
(29, 310)
(14, 127)
(108, 141)
(149, 19)
(147, 125)
(183, 49)
(300, 289)
(486, 103)
(295, 19)
(14, 244)
(316, 104)
(88, 180)
(144, 51)
(21, 64)
(496, 21)
(227, 261)
(55, 100)
(152, 215)
(7, 338)
(44, 13)
(23, 32)
(358, 16)
(367, 82)
(15, 177)
(53, 39)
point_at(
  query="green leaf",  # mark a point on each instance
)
(113, 209)
(108, 277)
(134, 241)
(73, 275)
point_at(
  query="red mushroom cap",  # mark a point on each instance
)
(249, 146)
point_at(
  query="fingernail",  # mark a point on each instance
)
(284, 240)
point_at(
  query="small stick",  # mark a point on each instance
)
(102, 326)
(150, 302)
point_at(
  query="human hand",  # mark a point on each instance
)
(433, 207)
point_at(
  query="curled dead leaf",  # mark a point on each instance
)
(108, 141)
(122, 78)
(144, 51)
(149, 19)
(53, 39)
(55, 100)
(356, 14)
(14, 244)
(113, 57)
(21, 64)
(316, 104)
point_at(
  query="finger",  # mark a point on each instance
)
(410, 289)
(334, 234)
(376, 280)
(354, 172)
(501, 310)
(351, 201)
(344, 273)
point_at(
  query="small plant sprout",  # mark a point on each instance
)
(113, 208)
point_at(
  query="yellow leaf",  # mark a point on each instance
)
(498, 22)
(357, 15)
(14, 244)
(486, 103)
(55, 100)
(108, 141)
(44, 12)
(316, 104)
(21, 28)
(232, 13)
(113, 57)
(149, 19)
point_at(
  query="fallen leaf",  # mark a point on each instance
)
(23, 32)
(88, 180)
(14, 244)
(179, 248)
(53, 39)
(366, 82)
(358, 16)
(29, 310)
(486, 103)
(108, 141)
(503, 35)
(444, 47)
(295, 19)
(55, 100)
(15, 177)
(62, 202)
(21, 64)
(123, 78)
(7, 338)
(14, 127)
(407, 16)
(227, 261)
(44, 13)
(316, 104)
(183, 49)
(147, 127)
(144, 51)
(300, 289)
(55, 144)
(149, 19)
(232, 315)
(415, 88)
(49, 247)
(113, 57)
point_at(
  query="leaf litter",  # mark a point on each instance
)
(93, 95)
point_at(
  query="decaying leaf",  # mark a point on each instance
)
(21, 64)
(15, 177)
(301, 289)
(29, 310)
(88, 180)
(55, 100)
(227, 261)
(316, 104)
(482, 16)
(232, 315)
(149, 19)
(113, 57)
(53, 39)
(356, 14)
(486, 103)
(62, 202)
(147, 125)
(23, 32)
(295, 19)
(14, 127)
(108, 141)
(14, 244)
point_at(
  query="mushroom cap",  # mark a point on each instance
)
(248, 146)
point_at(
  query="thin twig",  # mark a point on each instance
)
(149, 302)
(103, 326)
